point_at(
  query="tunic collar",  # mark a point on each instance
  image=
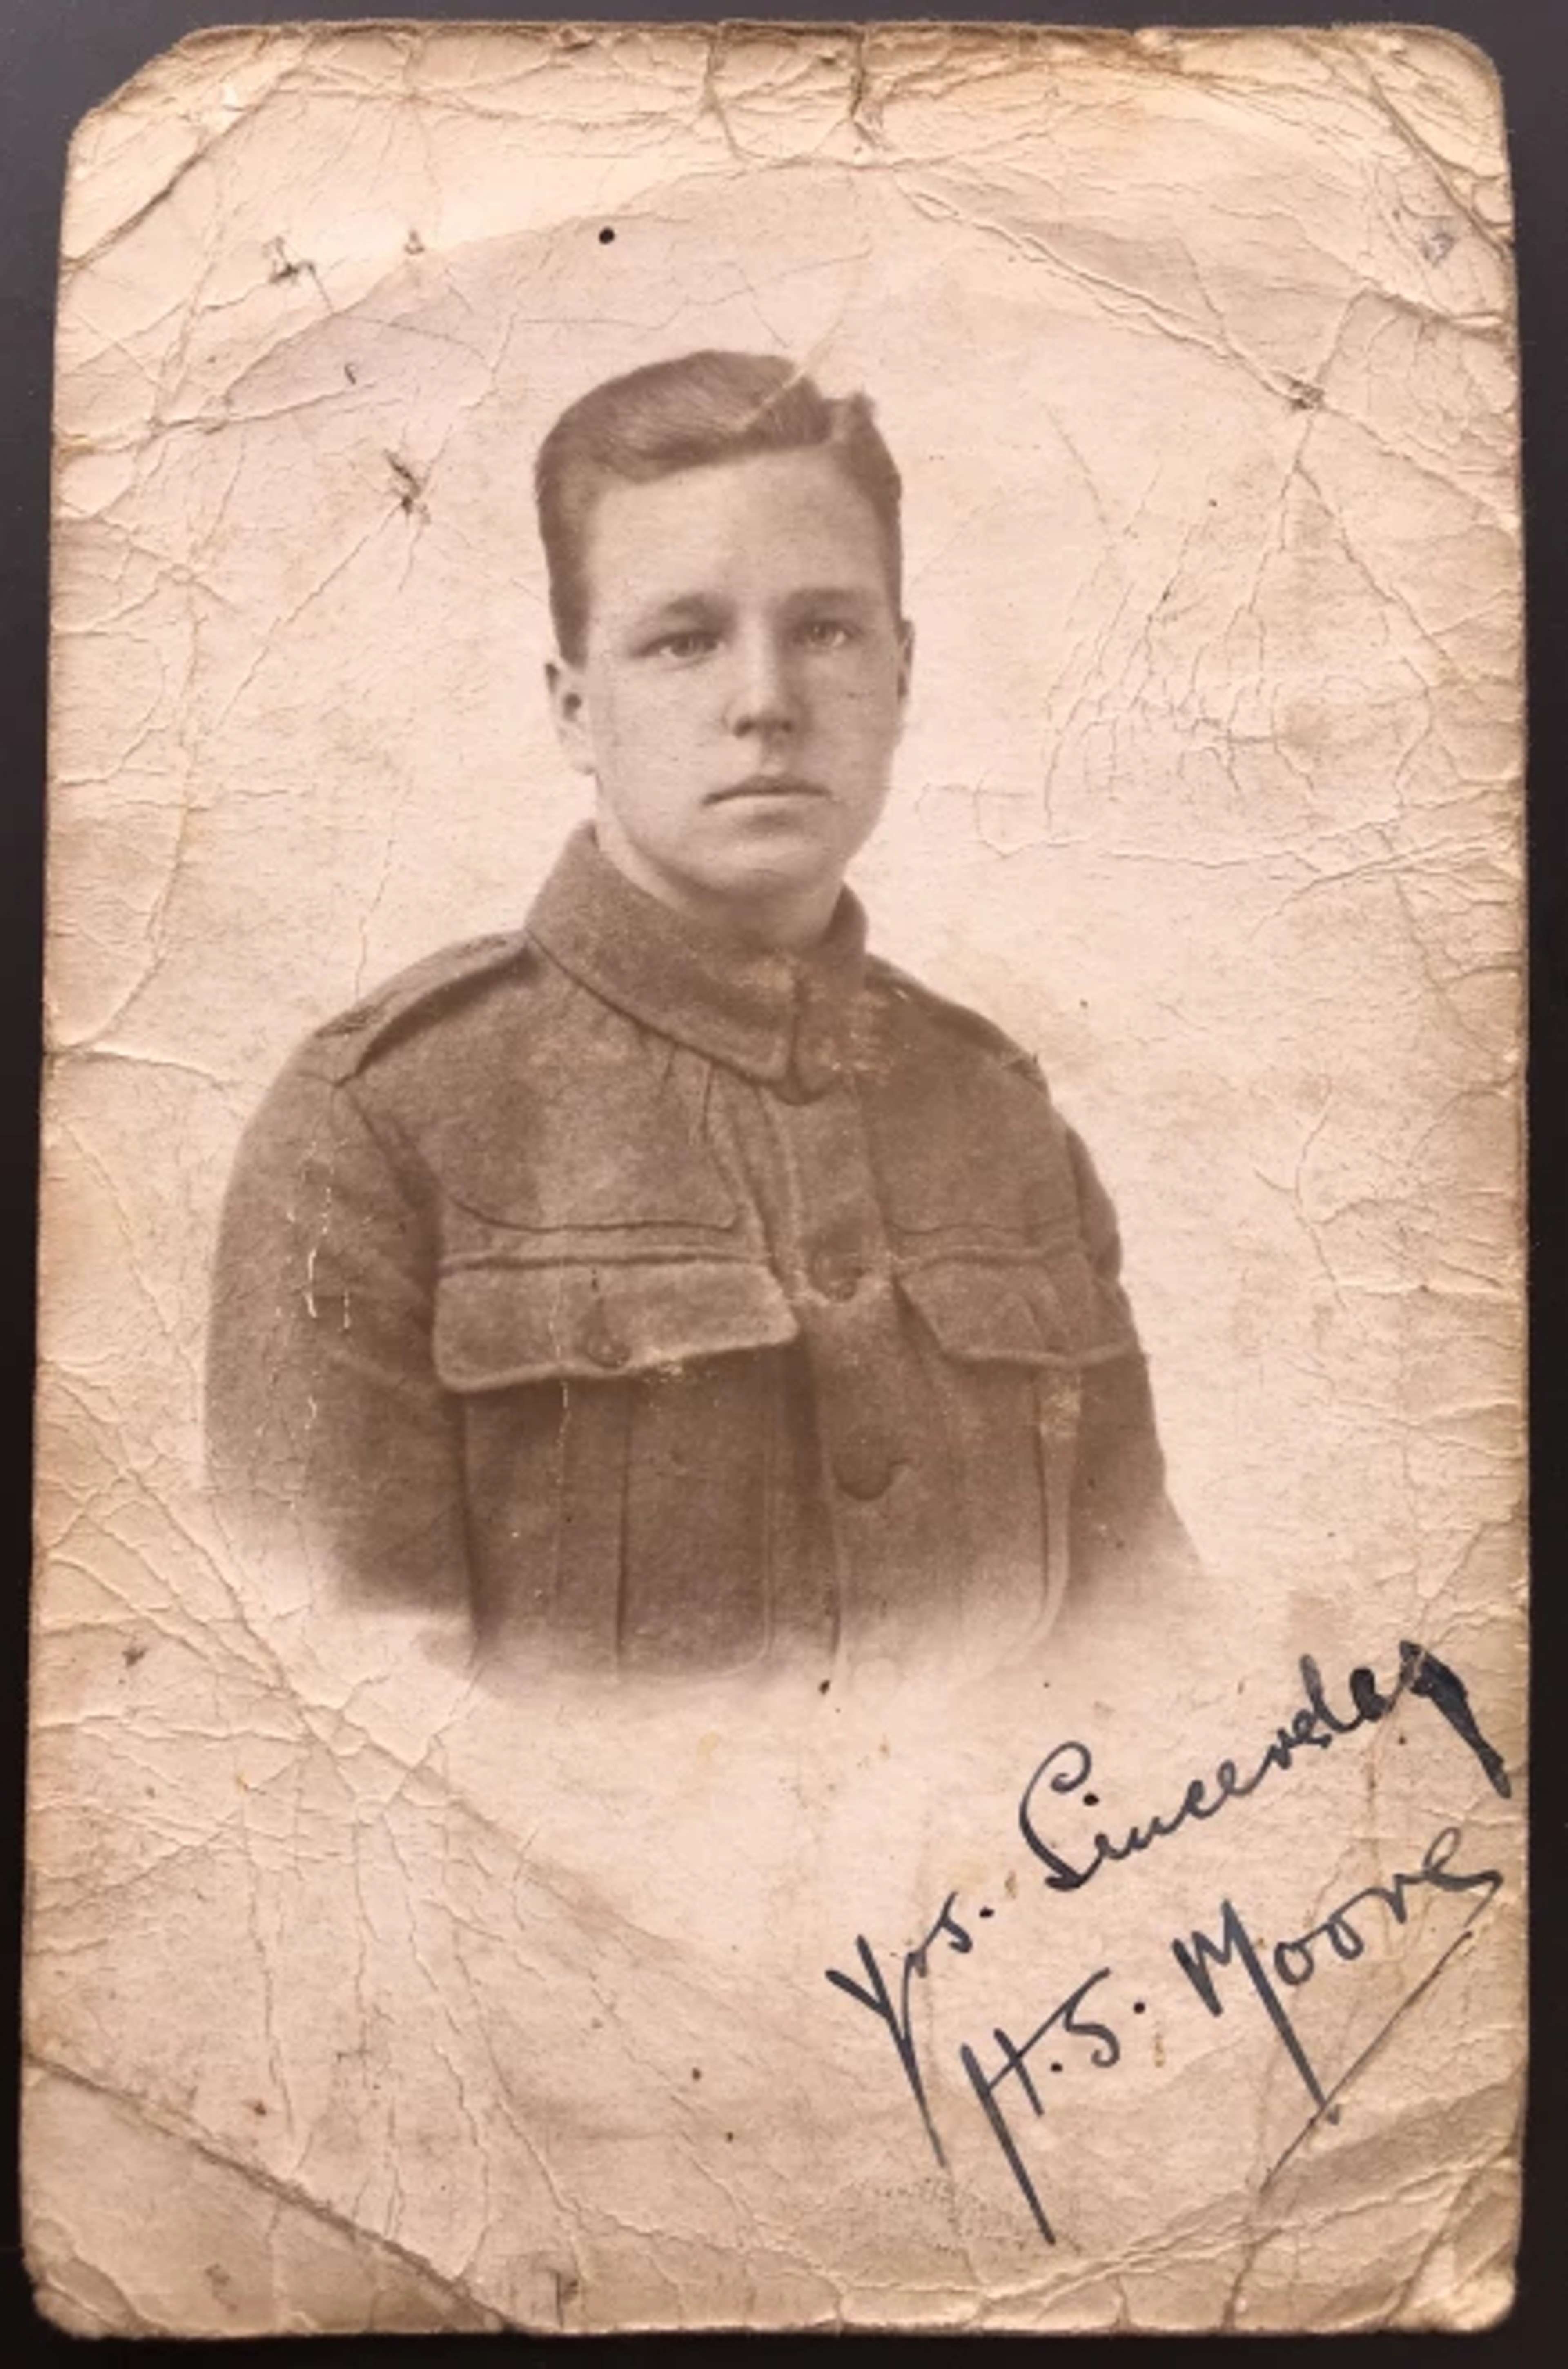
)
(780, 1018)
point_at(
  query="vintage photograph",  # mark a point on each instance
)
(781, 1537)
(670, 1279)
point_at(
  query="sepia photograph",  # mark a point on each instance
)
(669, 1279)
(781, 1515)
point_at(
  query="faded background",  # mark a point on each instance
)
(1196, 353)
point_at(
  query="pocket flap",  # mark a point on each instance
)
(496, 1326)
(1022, 1313)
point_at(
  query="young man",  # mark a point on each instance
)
(671, 1284)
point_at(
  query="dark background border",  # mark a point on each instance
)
(59, 57)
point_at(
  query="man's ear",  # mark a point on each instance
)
(568, 706)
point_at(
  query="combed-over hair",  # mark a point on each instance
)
(691, 413)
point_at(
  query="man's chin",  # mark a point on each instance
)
(766, 874)
(787, 844)
(742, 874)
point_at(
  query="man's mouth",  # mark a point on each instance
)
(767, 785)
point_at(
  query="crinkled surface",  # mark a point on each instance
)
(361, 1994)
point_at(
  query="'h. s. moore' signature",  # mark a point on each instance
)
(1079, 2019)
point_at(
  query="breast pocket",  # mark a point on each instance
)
(620, 1423)
(1012, 1343)
(499, 1326)
(1046, 1313)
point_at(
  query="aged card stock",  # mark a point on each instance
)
(760, 1607)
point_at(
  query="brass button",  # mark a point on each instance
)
(600, 1344)
(864, 1472)
(836, 1278)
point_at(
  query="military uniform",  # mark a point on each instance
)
(671, 1303)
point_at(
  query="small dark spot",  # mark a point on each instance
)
(1438, 242)
(352, 374)
(730, 2138)
(988, 1911)
(607, 236)
(256, 2106)
(1332, 2114)
(696, 2072)
(413, 243)
(1010, 1884)
(1082, 1004)
(1304, 395)
(217, 2278)
(1214, 501)
(567, 2288)
(823, 1685)
(280, 264)
(1398, 1739)
(1055, 2068)
(409, 487)
(1091, 1800)
(1141, 2007)
(136, 1651)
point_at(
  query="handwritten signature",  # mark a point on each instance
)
(1290, 1965)
(1069, 1766)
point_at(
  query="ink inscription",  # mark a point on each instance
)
(1084, 2026)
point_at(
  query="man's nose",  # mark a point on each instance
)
(765, 697)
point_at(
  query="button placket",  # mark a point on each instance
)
(881, 1445)
(848, 1313)
(840, 1243)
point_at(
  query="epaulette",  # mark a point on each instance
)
(973, 1027)
(413, 998)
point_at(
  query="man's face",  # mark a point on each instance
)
(741, 689)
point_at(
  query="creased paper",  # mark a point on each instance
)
(368, 1990)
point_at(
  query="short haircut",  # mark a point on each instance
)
(695, 412)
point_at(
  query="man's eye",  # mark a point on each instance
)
(695, 641)
(827, 633)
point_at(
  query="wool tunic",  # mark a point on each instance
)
(673, 1304)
